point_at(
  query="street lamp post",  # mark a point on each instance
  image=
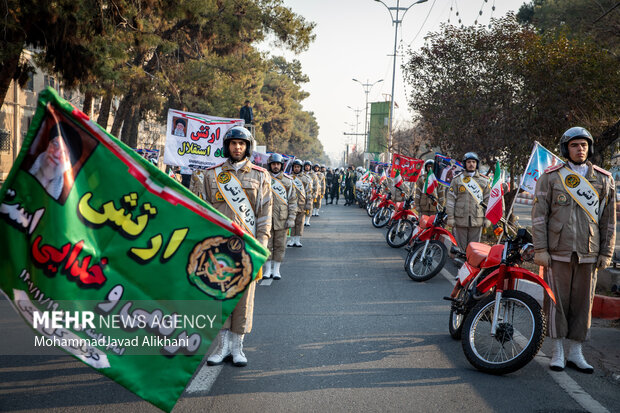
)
(357, 122)
(396, 21)
(366, 86)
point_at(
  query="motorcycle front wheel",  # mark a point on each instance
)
(424, 267)
(519, 335)
(400, 233)
(455, 325)
(381, 218)
(371, 209)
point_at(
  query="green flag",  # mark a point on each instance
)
(111, 260)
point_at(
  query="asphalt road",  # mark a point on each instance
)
(344, 330)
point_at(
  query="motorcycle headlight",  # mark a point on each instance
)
(527, 252)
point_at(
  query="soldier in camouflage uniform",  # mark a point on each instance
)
(424, 204)
(284, 211)
(321, 190)
(574, 230)
(303, 184)
(465, 214)
(315, 188)
(255, 182)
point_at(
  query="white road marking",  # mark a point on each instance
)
(571, 387)
(205, 378)
(562, 378)
(207, 375)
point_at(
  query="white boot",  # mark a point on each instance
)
(290, 241)
(576, 360)
(236, 349)
(298, 241)
(557, 359)
(276, 270)
(222, 350)
(308, 220)
(267, 270)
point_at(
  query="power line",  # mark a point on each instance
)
(423, 23)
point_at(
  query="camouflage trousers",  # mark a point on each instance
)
(573, 285)
(298, 229)
(277, 244)
(240, 321)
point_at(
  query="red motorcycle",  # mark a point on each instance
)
(427, 251)
(373, 202)
(501, 329)
(402, 224)
(384, 211)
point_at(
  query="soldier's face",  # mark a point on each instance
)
(275, 167)
(297, 168)
(306, 168)
(237, 149)
(578, 150)
(470, 165)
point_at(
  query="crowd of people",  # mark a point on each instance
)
(572, 237)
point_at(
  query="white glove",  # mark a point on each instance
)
(602, 262)
(450, 222)
(542, 258)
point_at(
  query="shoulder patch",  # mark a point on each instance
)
(601, 170)
(258, 168)
(554, 168)
(214, 166)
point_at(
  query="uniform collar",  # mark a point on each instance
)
(228, 166)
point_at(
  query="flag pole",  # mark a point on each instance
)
(517, 193)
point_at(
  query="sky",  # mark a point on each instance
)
(355, 39)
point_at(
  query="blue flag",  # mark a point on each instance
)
(540, 160)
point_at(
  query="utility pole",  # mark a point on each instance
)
(366, 86)
(396, 20)
(357, 122)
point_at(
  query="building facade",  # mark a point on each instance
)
(20, 105)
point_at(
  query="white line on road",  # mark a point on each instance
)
(562, 378)
(266, 282)
(571, 387)
(205, 378)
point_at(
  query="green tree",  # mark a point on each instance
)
(61, 30)
(497, 90)
(597, 20)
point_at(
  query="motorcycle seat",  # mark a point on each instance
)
(427, 221)
(477, 252)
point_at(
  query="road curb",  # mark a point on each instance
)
(607, 308)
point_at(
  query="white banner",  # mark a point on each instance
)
(195, 140)
(260, 159)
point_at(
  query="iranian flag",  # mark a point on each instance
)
(365, 176)
(398, 180)
(431, 183)
(383, 177)
(495, 210)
